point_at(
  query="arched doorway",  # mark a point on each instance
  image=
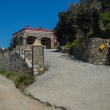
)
(46, 42)
(30, 40)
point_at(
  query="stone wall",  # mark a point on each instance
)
(23, 59)
(88, 51)
(14, 63)
(65, 50)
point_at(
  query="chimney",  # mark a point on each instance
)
(27, 26)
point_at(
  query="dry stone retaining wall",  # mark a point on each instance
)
(23, 59)
(65, 50)
(14, 63)
(88, 51)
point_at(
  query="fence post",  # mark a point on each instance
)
(37, 57)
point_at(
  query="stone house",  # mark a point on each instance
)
(27, 36)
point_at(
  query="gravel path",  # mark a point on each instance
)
(12, 99)
(73, 84)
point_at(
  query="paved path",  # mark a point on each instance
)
(12, 99)
(73, 84)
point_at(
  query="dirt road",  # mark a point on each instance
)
(12, 99)
(72, 84)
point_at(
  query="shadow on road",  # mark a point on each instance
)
(55, 51)
(66, 56)
(71, 57)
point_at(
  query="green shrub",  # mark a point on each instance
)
(2, 71)
(108, 27)
(75, 43)
(16, 81)
(9, 73)
(68, 45)
(106, 32)
(24, 80)
(105, 17)
(89, 34)
(21, 81)
(6, 73)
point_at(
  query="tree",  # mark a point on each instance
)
(105, 4)
(80, 19)
(83, 19)
(64, 29)
(95, 11)
(89, 11)
(14, 42)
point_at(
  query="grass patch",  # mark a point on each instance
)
(6, 73)
(21, 81)
(68, 45)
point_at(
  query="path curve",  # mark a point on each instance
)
(12, 99)
(73, 84)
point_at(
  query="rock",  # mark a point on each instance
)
(100, 63)
(91, 53)
(90, 60)
(103, 60)
(95, 63)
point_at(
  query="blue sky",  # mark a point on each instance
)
(16, 14)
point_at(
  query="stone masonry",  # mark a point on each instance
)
(14, 63)
(88, 51)
(37, 33)
(23, 59)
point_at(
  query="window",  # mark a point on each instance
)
(46, 42)
(20, 40)
(30, 40)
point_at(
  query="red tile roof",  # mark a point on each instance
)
(32, 29)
